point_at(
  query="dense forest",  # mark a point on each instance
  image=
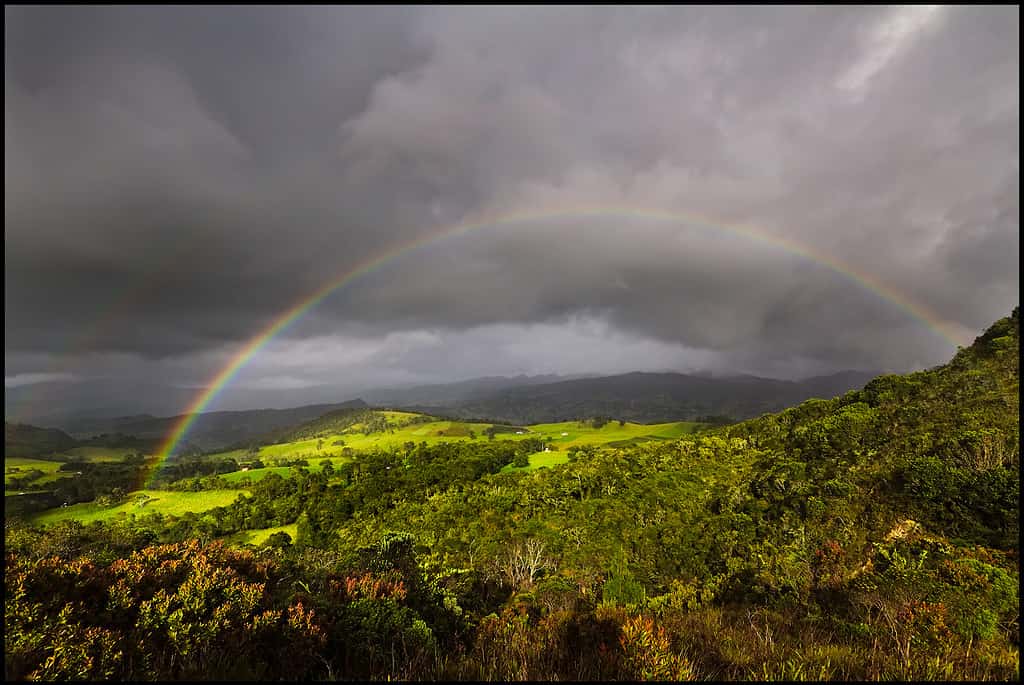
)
(870, 536)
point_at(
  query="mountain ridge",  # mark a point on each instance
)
(639, 396)
(648, 397)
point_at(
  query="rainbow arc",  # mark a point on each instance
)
(251, 348)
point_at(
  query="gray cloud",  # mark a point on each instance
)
(178, 177)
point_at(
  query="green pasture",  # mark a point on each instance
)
(561, 436)
(91, 454)
(305, 449)
(23, 464)
(261, 535)
(284, 471)
(255, 475)
(539, 460)
(575, 433)
(159, 501)
(16, 467)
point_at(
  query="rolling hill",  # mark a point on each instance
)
(639, 397)
(452, 394)
(871, 536)
(653, 397)
(23, 440)
(210, 430)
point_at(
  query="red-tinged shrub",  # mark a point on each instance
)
(648, 652)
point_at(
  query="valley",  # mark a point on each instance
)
(820, 520)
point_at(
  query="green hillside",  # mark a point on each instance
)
(21, 440)
(364, 430)
(140, 503)
(873, 536)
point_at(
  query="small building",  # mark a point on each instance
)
(564, 434)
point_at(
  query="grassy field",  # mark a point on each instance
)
(561, 435)
(260, 536)
(16, 467)
(23, 464)
(284, 471)
(572, 433)
(161, 501)
(539, 460)
(255, 475)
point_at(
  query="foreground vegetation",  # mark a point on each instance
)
(870, 536)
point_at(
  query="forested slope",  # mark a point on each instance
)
(871, 536)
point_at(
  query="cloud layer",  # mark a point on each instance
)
(177, 177)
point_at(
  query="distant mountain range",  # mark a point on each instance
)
(213, 430)
(22, 440)
(639, 396)
(54, 402)
(647, 397)
(451, 394)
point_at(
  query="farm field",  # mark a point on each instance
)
(561, 436)
(572, 433)
(161, 501)
(255, 475)
(16, 467)
(539, 460)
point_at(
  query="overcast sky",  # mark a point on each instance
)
(176, 178)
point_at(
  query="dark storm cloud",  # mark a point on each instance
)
(148, 173)
(177, 177)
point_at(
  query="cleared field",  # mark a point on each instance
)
(300, 448)
(160, 501)
(284, 471)
(255, 475)
(563, 435)
(539, 460)
(17, 467)
(27, 464)
(260, 535)
(571, 433)
(290, 449)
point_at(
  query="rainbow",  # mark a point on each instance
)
(286, 318)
